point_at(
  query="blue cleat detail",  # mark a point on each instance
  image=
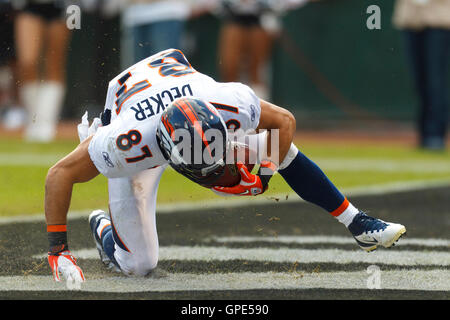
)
(94, 221)
(370, 232)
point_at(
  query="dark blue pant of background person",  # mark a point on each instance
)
(428, 51)
(155, 37)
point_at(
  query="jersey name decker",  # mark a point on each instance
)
(137, 97)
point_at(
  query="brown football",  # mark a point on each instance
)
(231, 176)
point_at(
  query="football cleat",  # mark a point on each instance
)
(370, 232)
(95, 218)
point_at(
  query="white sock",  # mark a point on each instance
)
(45, 112)
(347, 216)
(28, 95)
(15, 118)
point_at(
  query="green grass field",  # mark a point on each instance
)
(23, 168)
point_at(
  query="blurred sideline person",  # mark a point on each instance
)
(249, 29)
(41, 38)
(245, 43)
(13, 115)
(150, 26)
(426, 25)
(161, 112)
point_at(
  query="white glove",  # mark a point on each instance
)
(64, 266)
(84, 130)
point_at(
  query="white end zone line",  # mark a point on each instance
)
(29, 159)
(289, 255)
(412, 279)
(235, 202)
(328, 163)
(437, 280)
(324, 239)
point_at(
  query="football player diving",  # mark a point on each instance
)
(133, 142)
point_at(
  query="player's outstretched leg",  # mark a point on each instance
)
(100, 225)
(312, 185)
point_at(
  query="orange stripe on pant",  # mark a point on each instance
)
(341, 208)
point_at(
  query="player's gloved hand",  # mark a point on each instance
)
(251, 184)
(84, 130)
(64, 265)
(61, 261)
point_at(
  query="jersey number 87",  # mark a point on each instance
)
(126, 141)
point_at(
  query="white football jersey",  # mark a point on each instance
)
(137, 97)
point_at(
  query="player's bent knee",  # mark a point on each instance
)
(138, 269)
(136, 265)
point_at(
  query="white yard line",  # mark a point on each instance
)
(236, 202)
(29, 159)
(204, 253)
(324, 239)
(359, 164)
(396, 280)
(382, 165)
